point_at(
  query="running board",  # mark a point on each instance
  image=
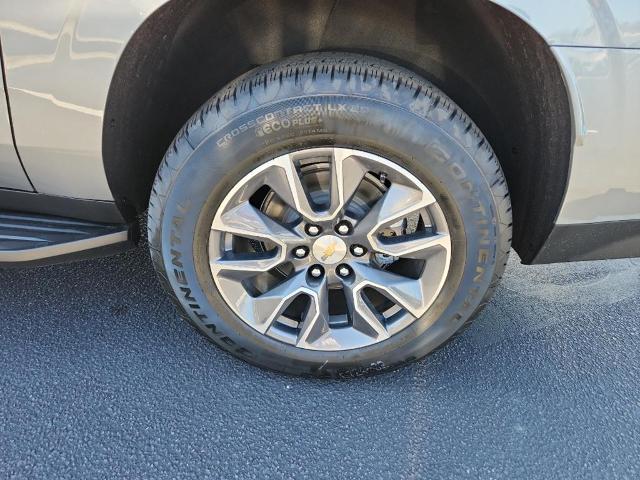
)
(29, 239)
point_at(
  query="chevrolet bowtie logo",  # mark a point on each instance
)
(329, 251)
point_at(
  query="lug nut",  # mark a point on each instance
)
(343, 271)
(313, 230)
(301, 252)
(316, 271)
(358, 250)
(343, 228)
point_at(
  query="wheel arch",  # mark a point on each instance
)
(487, 59)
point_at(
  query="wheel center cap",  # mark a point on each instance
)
(329, 249)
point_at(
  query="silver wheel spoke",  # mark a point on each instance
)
(315, 323)
(260, 312)
(347, 173)
(247, 221)
(415, 246)
(245, 265)
(364, 318)
(406, 292)
(398, 202)
(285, 180)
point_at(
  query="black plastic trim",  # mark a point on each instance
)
(88, 248)
(99, 211)
(591, 241)
(28, 239)
(76, 254)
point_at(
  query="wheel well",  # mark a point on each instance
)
(490, 62)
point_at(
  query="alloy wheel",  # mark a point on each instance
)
(329, 248)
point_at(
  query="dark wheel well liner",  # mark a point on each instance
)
(490, 62)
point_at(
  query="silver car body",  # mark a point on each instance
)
(60, 57)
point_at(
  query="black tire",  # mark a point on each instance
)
(387, 110)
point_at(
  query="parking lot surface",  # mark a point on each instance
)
(99, 378)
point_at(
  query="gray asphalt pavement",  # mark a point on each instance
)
(100, 379)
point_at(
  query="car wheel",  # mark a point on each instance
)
(329, 215)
